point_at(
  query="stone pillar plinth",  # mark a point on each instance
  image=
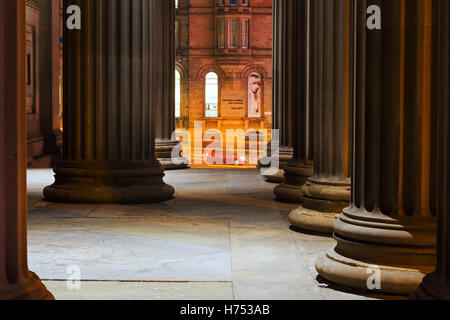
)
(284, 155)
(281, 104)
(292, 69)
(386, 237)
(436, 286)
(16, 281)
(109, 109)
(168, 151)
(327, 191)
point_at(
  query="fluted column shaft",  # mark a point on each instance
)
(327, 191)
(16, 281)
(109, 112)
(164, 14)
(49, 71)
(164, 86)
(281, 106)
(292, 92)
(390, 222)
(437, 284)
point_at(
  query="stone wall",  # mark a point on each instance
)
(232, 65)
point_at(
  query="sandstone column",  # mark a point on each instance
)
(437, 284)
(292, 93)
(281, 100)
(109, 114)
(49, 39)
(327, 191)
(386, 237)
(16, 281)
(164, 14)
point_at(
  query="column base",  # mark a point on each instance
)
(311, 220)
(296, 174)
(285, 155)
(108, 182)
(33, 289)
(164, 150)
(169, 164)
(356, 274)
(277, 177)
(373, 244)
(432, 288)
(289, 193)
(323, 202)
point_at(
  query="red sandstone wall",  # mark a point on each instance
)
(232, 66)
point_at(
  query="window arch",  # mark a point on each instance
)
(255, 95)
(177, 94)
(211, 95)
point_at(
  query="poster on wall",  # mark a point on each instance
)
(254, 95)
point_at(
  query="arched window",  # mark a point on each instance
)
(211, 95)
(177, 94)
(255, 93)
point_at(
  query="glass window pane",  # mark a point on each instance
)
(233, 33)
(177, 94)
(211, 95)
(221, 34)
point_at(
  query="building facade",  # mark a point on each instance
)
(224, 64)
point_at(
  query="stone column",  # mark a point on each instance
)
(16, 281)
(281, 100)
(328, 190)
(164, 100)
(437, 284)
(386, 237)
(292, 93)
(109, 114)
(49, 31)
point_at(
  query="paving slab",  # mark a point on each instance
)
(223, 236)
(98, 290)
(266, 265)
(130, 249)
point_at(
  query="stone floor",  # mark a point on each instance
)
(222, 237)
